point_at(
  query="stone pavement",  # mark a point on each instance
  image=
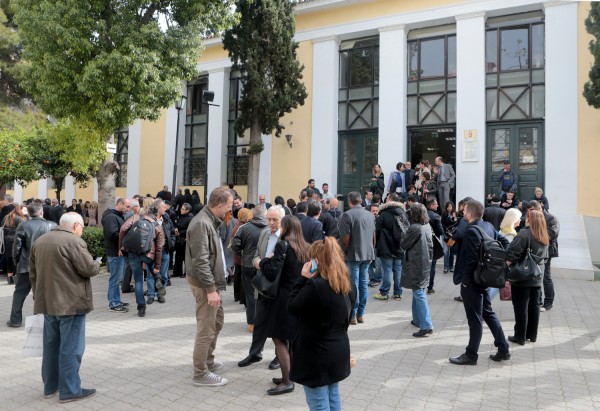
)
(145, 363)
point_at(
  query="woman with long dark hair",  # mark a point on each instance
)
(322, 301)
(526, 294)
(289, 255)
(9, 225)
(449, 222)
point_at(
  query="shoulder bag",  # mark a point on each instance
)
(528, 268)
(438, 248)
(266, 287)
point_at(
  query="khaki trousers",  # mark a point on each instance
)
(209, 322)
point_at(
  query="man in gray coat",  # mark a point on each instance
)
(357, 234)
(445, 180)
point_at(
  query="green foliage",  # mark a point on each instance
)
(262, 47)
(18, 160)
(591, 89)
(11, 66)
(108, 63)
(14, 117)
(94, 238)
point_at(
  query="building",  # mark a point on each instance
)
(476, 82)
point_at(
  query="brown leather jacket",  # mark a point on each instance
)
(159, 237)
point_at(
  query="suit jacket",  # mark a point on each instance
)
(446, 174)
(312, 229)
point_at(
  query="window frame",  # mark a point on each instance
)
(195, 154)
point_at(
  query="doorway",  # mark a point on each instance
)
(523, 145)
(357, 156)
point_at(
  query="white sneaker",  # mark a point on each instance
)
(210, 380)
(217, 365)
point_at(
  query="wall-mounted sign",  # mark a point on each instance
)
(111, 148)
(470, 146)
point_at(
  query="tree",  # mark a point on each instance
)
(262, 48)
(591, 89)
(18, 162)
(107, 63)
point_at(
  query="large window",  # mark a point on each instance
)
(515, 67)
(122, 140)
(196, 134)
(431, 88)
(237, 147)
(358, 106)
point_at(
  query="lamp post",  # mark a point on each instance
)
(207, 98)
(178, 106)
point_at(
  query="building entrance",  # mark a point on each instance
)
(357, 156)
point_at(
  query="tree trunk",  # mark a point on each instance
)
(105, 176)
(254, 164)
(58, 182)
(2, 190)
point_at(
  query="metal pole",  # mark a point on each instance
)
(206, 155)
(176, 148)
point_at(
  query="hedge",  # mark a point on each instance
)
(94, 238)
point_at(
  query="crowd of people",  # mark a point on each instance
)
(319, 259)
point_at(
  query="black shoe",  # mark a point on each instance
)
(532, 339)
(545, 307)
(161, 299)
(277, 381)
(141, 308)
(459, 299)
(11, 279)
(374, 283)
(414, 323)
(282, 390)
(251, 359)
(274, 365)
(169, 283)
(500, 356)
(149, 300)
(514, 340)
(125, 304)
(463, 359)
(85, 393)
(13, 325)
(422, 333)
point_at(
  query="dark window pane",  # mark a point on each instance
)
(452, 56)
(432, 58)
(514, 49)
(361, 67)
(537, 46)
(491, 51)
(413, 58)
(376, 65)
(344, 67)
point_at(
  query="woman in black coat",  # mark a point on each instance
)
(527, 293)
(322, 301)
(290, 253)
(181, 227)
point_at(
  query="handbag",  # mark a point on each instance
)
(528, 268)
(266, 287)
(34, 336)
(506, 292)
(438, 247)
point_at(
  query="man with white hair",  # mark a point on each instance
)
(60, 270)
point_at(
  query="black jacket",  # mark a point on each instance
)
(435, 221)
(312, 229)
(55, 213)
(27, 233)
(386, 245)
(468, 253)
(331, 222)
(182, 224)
(245, 241)
(494, 214)
(321, 349)
(517, 250)
(169, 230)
(553, 227)
(112, 220)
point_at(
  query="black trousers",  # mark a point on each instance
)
(548, 286)
(478, 308)
(248, 274)
(179, 259)
(126, 283)
(527, 311)
(432, 274)
(259, 335)
(238, 288)
(22, 289)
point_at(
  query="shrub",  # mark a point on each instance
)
(94, 238)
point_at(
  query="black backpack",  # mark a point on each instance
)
(400, 226)
(139, 237)
(491, 266)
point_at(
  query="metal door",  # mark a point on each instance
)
(357, 156)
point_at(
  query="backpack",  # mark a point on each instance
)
(400, 226)
(491, 266)
(139, 237)
(395, 183)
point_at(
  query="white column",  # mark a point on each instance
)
(18, 192)
(470, 104)
(218, 82)
(95, 182)
(392, 97)
(69, 187)
(561, 104)
(264, 176)
(324, 137)
(133, 160)
(42, 188)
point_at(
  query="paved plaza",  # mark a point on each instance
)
(146, 363)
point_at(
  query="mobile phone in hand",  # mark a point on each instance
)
(313, 266)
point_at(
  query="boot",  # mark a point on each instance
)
(141, 310)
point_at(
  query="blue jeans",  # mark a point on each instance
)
(164, 266)
(493, 292)
(420, 310)
(389, 266)
(375, 271)
(448, 257)
(325, 398)
(64, 344)
(359, 275)
(116, 267)
(136, 262)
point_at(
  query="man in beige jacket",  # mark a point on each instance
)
(60, 268)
